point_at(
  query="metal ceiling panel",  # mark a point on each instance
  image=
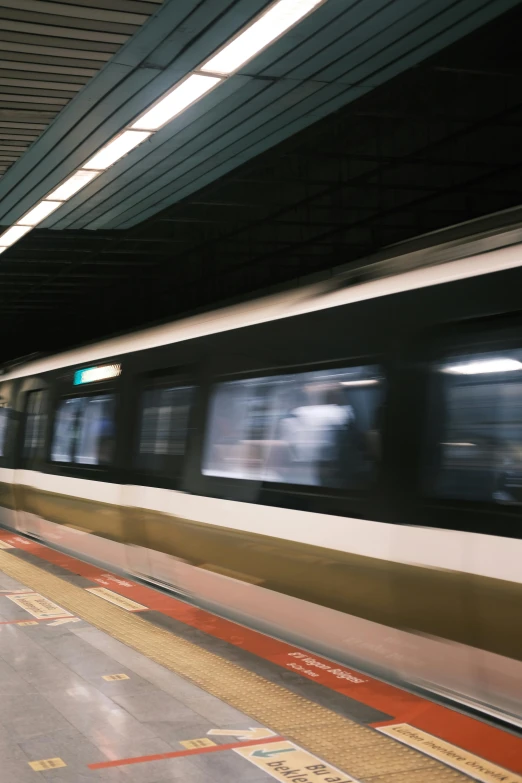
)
(438, 145)
(334, 56)
(225, 134)
(46, 46)
(112, 99)
(194, 154)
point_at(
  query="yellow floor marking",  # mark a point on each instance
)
(112, 677)
(284, 761)
(369, 756)
(197, 743)
(116, 599)
(451, 754)
(44, 764)
(27, 622)
(242, 734)
(39, 606)
(65, 621)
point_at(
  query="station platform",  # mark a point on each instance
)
(104, 678)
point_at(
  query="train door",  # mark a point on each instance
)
(30, 453)
(7, 433)
(161, 405)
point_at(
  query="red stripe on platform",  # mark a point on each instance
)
(493, 744)
(179, 753)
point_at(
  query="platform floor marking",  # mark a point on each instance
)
(116, 599)
(285, 761)
(242, 734)
(362, 751)
(114, 677)
(202, 742)
(39, 606)
(44, 764)
(456, 757)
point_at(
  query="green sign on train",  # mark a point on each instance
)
(92, 374)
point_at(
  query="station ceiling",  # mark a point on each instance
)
(360, 128)
(49, 51)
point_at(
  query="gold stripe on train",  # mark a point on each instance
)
(466, 608)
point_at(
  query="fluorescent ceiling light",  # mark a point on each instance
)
(72, 185)
(261, 33)
(13, 234)
(483, 366)
(176, 101)
(369, 382)
(466, 445)
(2, 249)
(116, 149)
(38, 213)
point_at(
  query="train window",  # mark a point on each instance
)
(478, 446)
(319, 428)
(4, 424)
(84, 430)
(164, 428)
(36, 419)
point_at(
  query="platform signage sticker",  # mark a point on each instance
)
(45, 764)
(118, 600)
(65, 621)
(39, 606)
(5, 545)
(285, 761)
(320, 669)
(203, 742)
(453, 756)
(242, 734)
(113, 677)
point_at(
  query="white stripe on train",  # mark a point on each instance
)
(452, 550)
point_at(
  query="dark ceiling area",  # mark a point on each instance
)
(438, 145)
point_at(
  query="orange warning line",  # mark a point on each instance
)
(178, 753)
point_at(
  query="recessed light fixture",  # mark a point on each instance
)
(12, 235)
(181, 97)
(71, 186)
(38, 213)
(116, 149)
(267, 28)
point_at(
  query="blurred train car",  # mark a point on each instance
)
(340, 466)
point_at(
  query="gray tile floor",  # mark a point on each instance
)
(54, 703)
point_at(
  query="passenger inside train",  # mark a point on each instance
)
(314, 428)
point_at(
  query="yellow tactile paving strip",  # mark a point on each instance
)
(360, 751)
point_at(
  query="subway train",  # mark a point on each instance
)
(339, 466)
